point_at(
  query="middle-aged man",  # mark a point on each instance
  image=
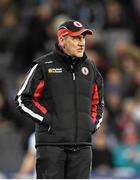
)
(63, 94)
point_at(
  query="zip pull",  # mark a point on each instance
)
(73, 75)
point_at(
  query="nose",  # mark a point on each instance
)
(82, 42)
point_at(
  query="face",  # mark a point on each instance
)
(74, 46)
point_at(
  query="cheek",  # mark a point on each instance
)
(70, 46)
(73, 46)
(73, 49)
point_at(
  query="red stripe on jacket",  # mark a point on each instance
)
(37, 95)
(95, 101)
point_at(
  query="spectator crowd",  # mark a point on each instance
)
(28, 30)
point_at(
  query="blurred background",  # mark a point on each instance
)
(27, 31)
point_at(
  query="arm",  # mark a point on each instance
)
(97, 100)
(27, 99)
(28, 163)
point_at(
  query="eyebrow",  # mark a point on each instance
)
(80, 36)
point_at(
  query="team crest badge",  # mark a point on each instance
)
(85, 70)
(77, 24)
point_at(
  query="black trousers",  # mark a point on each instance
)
(54, 162)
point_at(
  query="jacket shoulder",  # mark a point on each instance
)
(91, 64)
(45, 58)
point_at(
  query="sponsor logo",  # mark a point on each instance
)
(77, 24)
(85, 71)
(48, 62)
(54, 70)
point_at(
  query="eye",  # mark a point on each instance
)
(75, 37)
(78, 37)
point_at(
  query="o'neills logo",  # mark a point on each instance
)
(77, 24)
(85, 70)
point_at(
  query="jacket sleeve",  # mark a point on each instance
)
(27, 99)
(97, 99)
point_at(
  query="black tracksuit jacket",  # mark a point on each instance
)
(66, 93)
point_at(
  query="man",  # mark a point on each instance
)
(63, 94)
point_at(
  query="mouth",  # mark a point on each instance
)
(80, 50)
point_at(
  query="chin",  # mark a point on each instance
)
(79, 55)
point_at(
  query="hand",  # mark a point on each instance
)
(47, 121)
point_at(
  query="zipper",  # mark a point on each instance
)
(73, 73)
(75, 104)
(73, 76)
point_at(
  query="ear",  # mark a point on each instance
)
(61, 41)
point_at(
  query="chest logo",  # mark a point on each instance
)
(54, 70)
(85, 71)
